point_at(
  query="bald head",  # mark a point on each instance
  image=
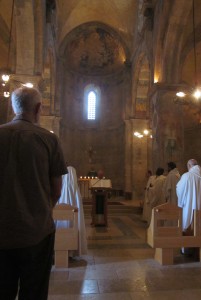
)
(191, 163)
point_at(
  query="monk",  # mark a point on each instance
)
(189, 192)
(171, 182)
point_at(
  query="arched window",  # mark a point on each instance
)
(91, 105)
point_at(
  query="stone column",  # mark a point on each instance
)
(128, 159)
(140, 156)
(60, 84)
(137, 158)
(50, 123)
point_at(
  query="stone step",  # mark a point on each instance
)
(116, 209)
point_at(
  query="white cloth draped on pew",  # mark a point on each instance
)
(70, 194)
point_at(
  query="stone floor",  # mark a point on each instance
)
(120, 266)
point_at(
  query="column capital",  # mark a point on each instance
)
(166, 87)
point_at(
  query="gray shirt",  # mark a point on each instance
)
(29, 157)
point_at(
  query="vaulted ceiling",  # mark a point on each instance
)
(102, 31)
(91, 35)
(120, 15)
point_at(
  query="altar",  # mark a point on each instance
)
(100, 189)
(85, 192)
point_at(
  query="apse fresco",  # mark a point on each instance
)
(94, 51)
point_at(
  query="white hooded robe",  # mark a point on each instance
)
(70, 194)
(189, 194)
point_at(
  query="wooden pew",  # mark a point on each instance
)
(165, 232)
(66, 237)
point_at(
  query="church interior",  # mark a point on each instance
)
(117, 79)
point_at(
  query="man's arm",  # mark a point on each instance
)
(181, 190)
(167, 188)
(56, 185)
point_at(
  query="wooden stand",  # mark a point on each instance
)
(99, 206)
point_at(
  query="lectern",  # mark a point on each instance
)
(99, 189)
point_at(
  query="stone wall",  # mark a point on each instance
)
(105, 136)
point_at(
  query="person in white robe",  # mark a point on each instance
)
(170, 183)
(189, 192)
(70, 194)
(158, 196)
(146, 214)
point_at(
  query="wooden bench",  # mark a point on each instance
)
(165, 232)
(66, 237)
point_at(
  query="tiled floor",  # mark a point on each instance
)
(120, 266)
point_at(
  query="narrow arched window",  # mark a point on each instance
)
(91, 105)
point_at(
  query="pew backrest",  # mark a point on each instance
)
(66, 237)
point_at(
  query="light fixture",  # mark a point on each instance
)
(28, 84)
(6, 94)
(5, 78)
(6, 75)
(144, 133)
(190, 94)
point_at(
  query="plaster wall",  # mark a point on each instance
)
(192, 145)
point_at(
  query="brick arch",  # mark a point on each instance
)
(173, 41)
(168, 40)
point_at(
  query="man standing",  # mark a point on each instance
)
(170, 183)
(189, 192)
(31, 166)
